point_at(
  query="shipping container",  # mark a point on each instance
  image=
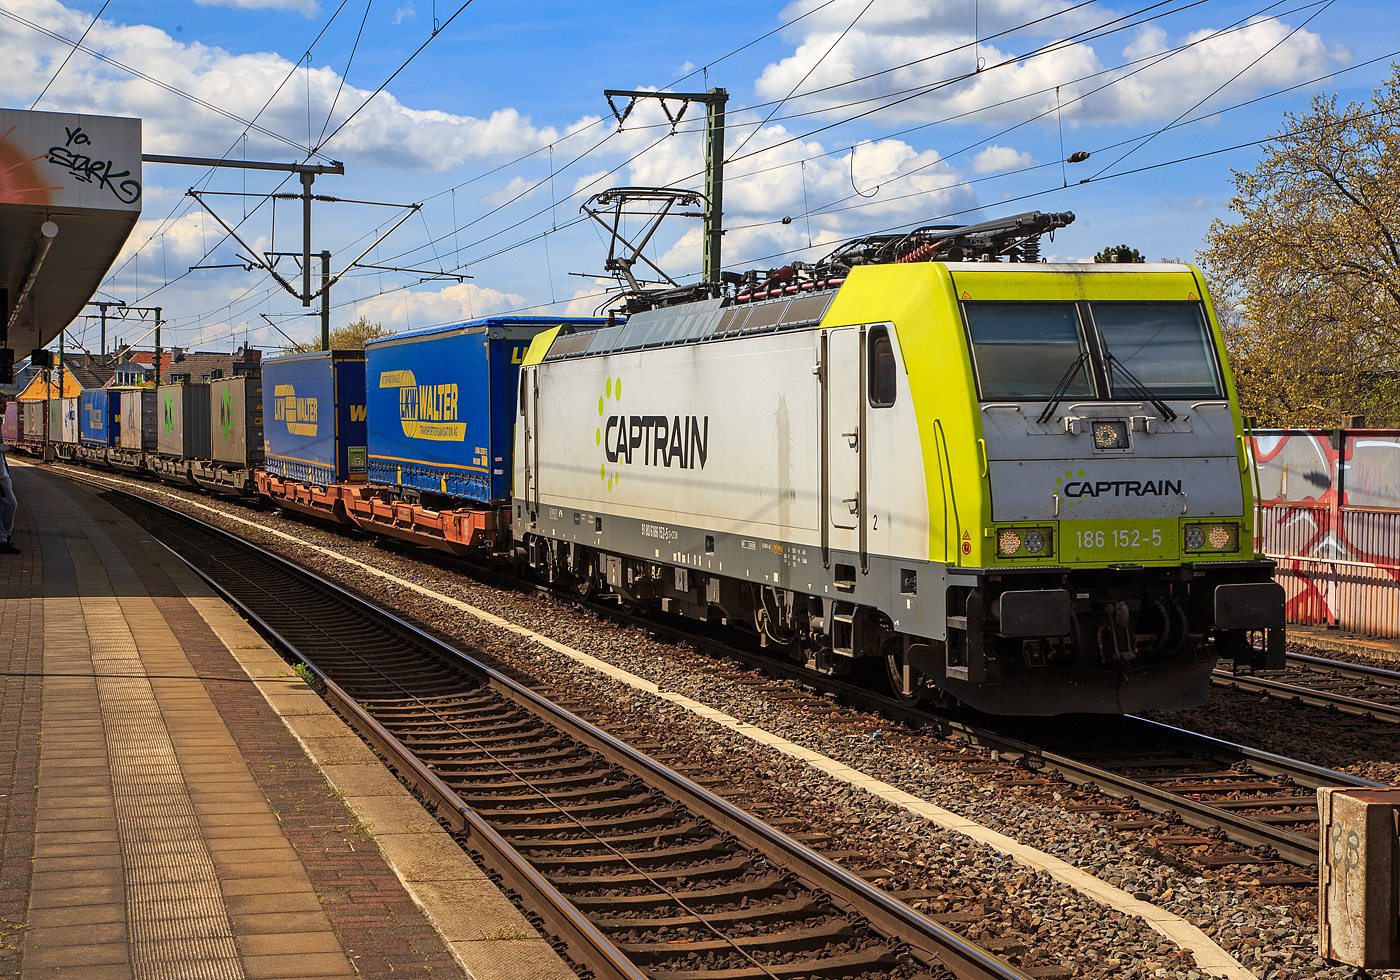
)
(10, 427)
(99, 411)
(184, 421)
(33, 419)
(236, 421)
(442, 405)
(140, 427)
(314, 417)
(67, 428)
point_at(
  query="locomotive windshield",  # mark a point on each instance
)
(1022, 350)
(1163, 345)
(1039, 350)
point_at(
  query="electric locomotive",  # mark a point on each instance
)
(1020, 485)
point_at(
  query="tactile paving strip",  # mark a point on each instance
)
(177, 922)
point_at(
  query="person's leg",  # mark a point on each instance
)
(9, 504)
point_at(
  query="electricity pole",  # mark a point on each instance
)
(714, 101)
(325, 301)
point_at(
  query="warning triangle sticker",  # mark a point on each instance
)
(1192, 296)
(966, 536)
(966, 294)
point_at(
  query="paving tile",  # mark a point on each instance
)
(106, 971)
(288, 943)
(91, 932)
(428, 857)
(278, 967)
(74, 956)
(510, 959)
(272, 860)
(280, 903)
(265, 884)
(471, 910)
(394, 815)
(61, 897)
(78, 862)
(89, 878)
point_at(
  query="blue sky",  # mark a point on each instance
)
(500, 128)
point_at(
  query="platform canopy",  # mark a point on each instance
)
(70, 194)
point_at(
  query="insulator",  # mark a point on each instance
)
(919, 254)
(1030, 249)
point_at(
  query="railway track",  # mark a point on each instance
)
(1372, 693)
(637, 870)
(1261, 801)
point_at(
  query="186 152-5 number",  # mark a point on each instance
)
(1119, 538)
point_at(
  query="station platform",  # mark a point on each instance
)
(180, 804)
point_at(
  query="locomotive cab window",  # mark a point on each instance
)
(1164, 346)
(1025, 349)
(880, 365)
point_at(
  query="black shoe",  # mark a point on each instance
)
(8, 548)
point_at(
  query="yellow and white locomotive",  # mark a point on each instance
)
(1020, 485)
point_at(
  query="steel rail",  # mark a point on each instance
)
(899, 922)
(1347, 705)
(1349, 670)
(1293, 847)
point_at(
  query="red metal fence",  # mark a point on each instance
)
(1328, 507)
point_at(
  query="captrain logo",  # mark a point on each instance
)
(426, 411)
(1073, 485)
(682, 441)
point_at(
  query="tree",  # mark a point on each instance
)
(1312, 267)
(353, 336)
(1119, 253)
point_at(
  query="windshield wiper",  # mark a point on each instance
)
(1167, 414)
(1058, 395)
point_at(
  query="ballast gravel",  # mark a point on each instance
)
(1033, 919)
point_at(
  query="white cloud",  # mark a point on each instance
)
(306, 7)
(997, 159)
(587, 300)
(405, 310)
(385, 132)
(895, 34)
(406, 11)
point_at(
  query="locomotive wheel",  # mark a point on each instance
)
(894, 670)
(585, 585)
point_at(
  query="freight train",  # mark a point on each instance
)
(1020, 485)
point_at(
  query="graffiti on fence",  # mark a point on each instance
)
(1329, 509)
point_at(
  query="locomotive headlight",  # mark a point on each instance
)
(1008, 543)
(1224, 536)
(1110, 435)
(1035, 542)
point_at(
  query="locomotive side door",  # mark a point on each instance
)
(844, 435)
(530, 417)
